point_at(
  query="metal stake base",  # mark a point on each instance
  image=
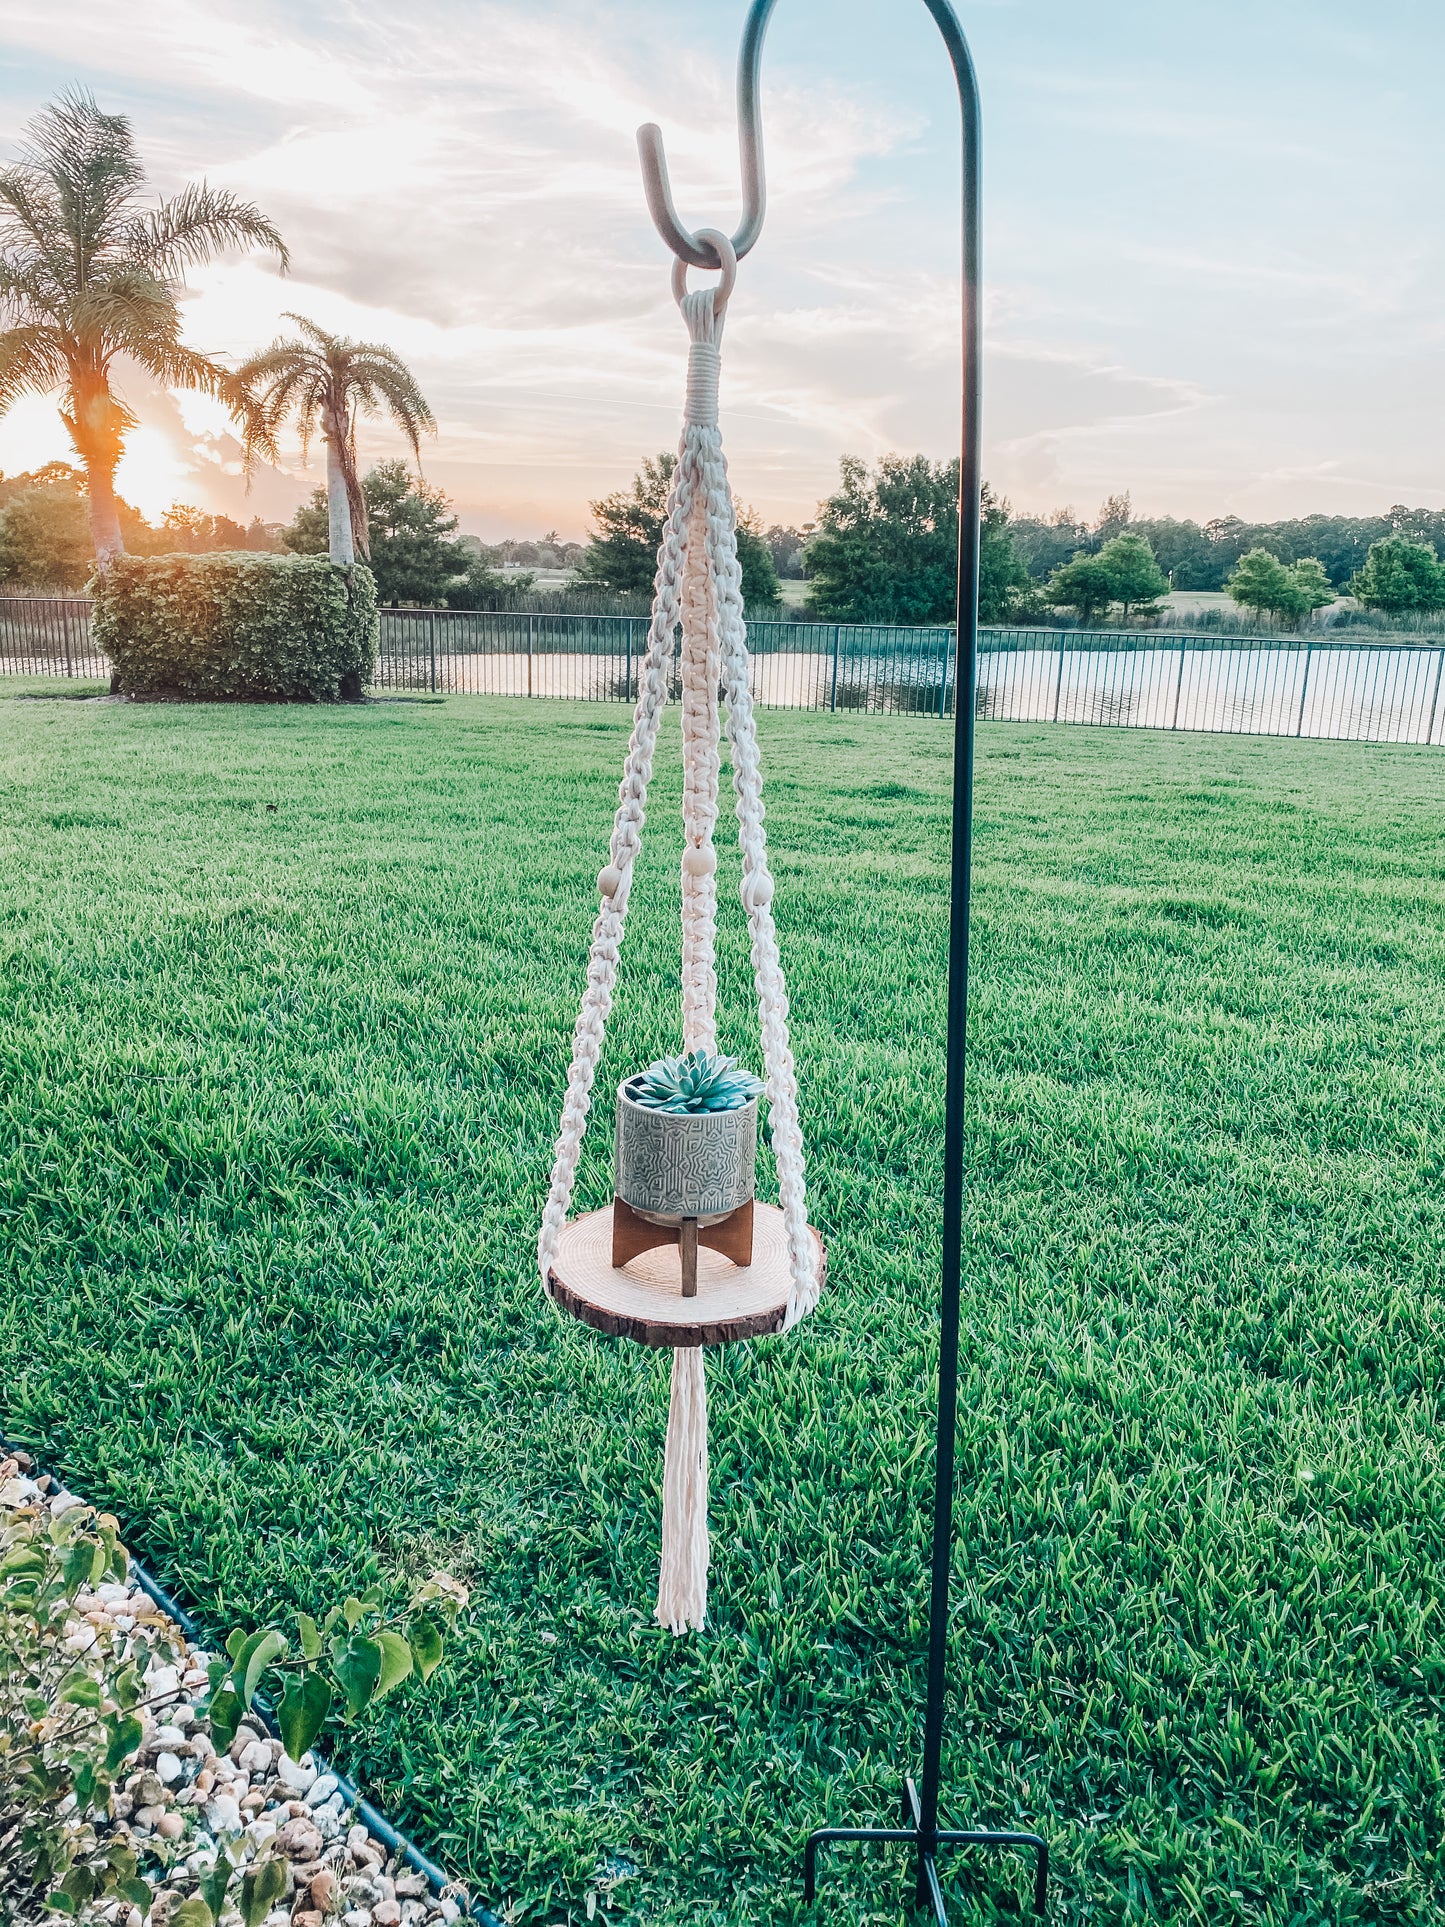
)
(928, 1891)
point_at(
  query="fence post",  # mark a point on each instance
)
(627, 686)
(1178, 689)
(1435, 698)
(531, 624)
(833, 704)
(431, 637)
(1304, 691)
(943, 685)
(1059, 678)
(65, 631)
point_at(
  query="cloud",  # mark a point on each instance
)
(1168, 310)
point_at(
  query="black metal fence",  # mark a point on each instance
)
(1373, 691)
(48, 636)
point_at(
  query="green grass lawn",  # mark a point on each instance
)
(288, 996)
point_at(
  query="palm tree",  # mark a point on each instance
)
(88, 273)
(329, 381)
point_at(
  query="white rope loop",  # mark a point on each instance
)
(698, 583)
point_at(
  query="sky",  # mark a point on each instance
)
(1214, 271)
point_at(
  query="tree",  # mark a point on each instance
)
(88, 275)
(786, 546)
(1135, 578)
(1400, 575)
(1116, 515)
(191, 531)
(1044, 545)
(1183, 551)
(45, 539)
(886, 547)
(623, 554)
(1287, 591)
(1261, 581)
(414, 555)
(1004, 585)
(1084, 584)
(1313, 582)
(330, 380)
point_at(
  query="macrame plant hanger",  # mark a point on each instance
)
(698, 586)
(920, 1830)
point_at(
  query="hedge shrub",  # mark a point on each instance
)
(243, 627)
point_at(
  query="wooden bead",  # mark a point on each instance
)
(609, 880)
(757, 891)
(699, 862)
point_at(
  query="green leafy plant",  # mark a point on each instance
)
(73, 1696)
(269, 628)
(698, 1081)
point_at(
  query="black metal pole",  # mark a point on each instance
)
(965, 702)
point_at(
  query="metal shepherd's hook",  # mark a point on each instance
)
(920, 1830)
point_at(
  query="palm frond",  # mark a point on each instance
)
(196, 225)
(126, 304)
(318, 334)
(90, 161)
(32, 360)
(28, 206)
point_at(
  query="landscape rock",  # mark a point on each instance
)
(294, 1776)
(299, 1840)
(223, 1812)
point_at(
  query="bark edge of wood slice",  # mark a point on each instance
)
(643, 1301)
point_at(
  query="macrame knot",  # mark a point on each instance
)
(703, 363)
(704, 327)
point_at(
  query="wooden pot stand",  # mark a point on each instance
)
(615, 1270)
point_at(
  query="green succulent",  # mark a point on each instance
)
(697, 1082)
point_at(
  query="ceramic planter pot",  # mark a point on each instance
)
(677, 1164)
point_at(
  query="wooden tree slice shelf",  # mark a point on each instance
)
(643, 1299)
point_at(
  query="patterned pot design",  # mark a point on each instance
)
(679, 1164)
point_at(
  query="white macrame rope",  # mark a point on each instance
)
(699, 583)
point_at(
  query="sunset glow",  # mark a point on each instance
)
(474, 201)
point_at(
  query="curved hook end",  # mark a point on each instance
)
(686, 246)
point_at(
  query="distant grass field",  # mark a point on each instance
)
(287, 1005)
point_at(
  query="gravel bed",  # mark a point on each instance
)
(182, 1801)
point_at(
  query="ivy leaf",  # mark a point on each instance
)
(59, 1903)
(213, 1885)
(310, 1639)
(261, 1888)
(353, 1611)
(302, 1712)
(140, 1893)
(255, 1656)
(78, 1885)
(78, 1563)
(191, 1913)
(224, 1712)
(358, 1667)
(395, 1662)
(235, 1640)
(81, 1691)
(126, 1734)
(426, 1645)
